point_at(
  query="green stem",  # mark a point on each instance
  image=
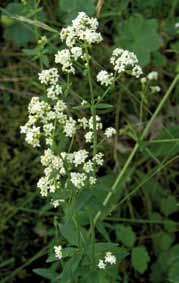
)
(130, 158)
(93, 108)
(141, 107)
(136, 221)
(93, 112)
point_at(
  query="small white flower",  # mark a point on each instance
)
(137, 71)
(49, 76)
(109, 132)
(42, 40)
(83, 122)
(43, 185)
(92, 180)
(38, 108)
(79, 157)
(60, 106)
(84, 102)
(56, 203)
(155, 89)
(104, 78)
(143, 80)
(64, 58)
(98, 158)
(48, 129)
(176, 25)
(58, 252)
(98, 123)
(89, 137)
(110, 258)
(32, 135)
(76, 52)
(88, 166)
(54, 91)
(152, 76)
(78, 179)
(70, 127)
(101, 264)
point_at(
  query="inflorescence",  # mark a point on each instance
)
(51, 119)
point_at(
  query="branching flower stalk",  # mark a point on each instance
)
(54, 125)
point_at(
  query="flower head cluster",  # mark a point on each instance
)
(108, 259)
(109, 132)
(105, 78)
(49, 76)
(50, 118)
(83, 29)
(43, 117)
(152, 76)
(150, 80)
(55, 203)
(125, 61)
(66, 57)
(58, 251)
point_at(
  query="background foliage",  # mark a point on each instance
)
(145, 224)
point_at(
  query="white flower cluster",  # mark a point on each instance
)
(58, 252)
(83, 29)
(49, 76)
(105, 78)
(58, 168)
(66, 57)
(109, 132)
(122, 61)
(42, 119)
(55, 203)
(125, 61)
(108, 259)
(50, 116)
(150, 78)
(88, 126)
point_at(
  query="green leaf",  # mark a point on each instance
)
(69, 232)
(159, 59)
(46, 273)
(173, 274)
(163, 241)
(19, 34)
(140, 259)
(103, 106)
(164, 267)
(153, 189)
(125, 235)
(140, 36)
(16, 31)
(168, 205)
(72, 7)
(165, 147)
(148, 4)
(170, 226)
(69, 269)
(95, 277)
